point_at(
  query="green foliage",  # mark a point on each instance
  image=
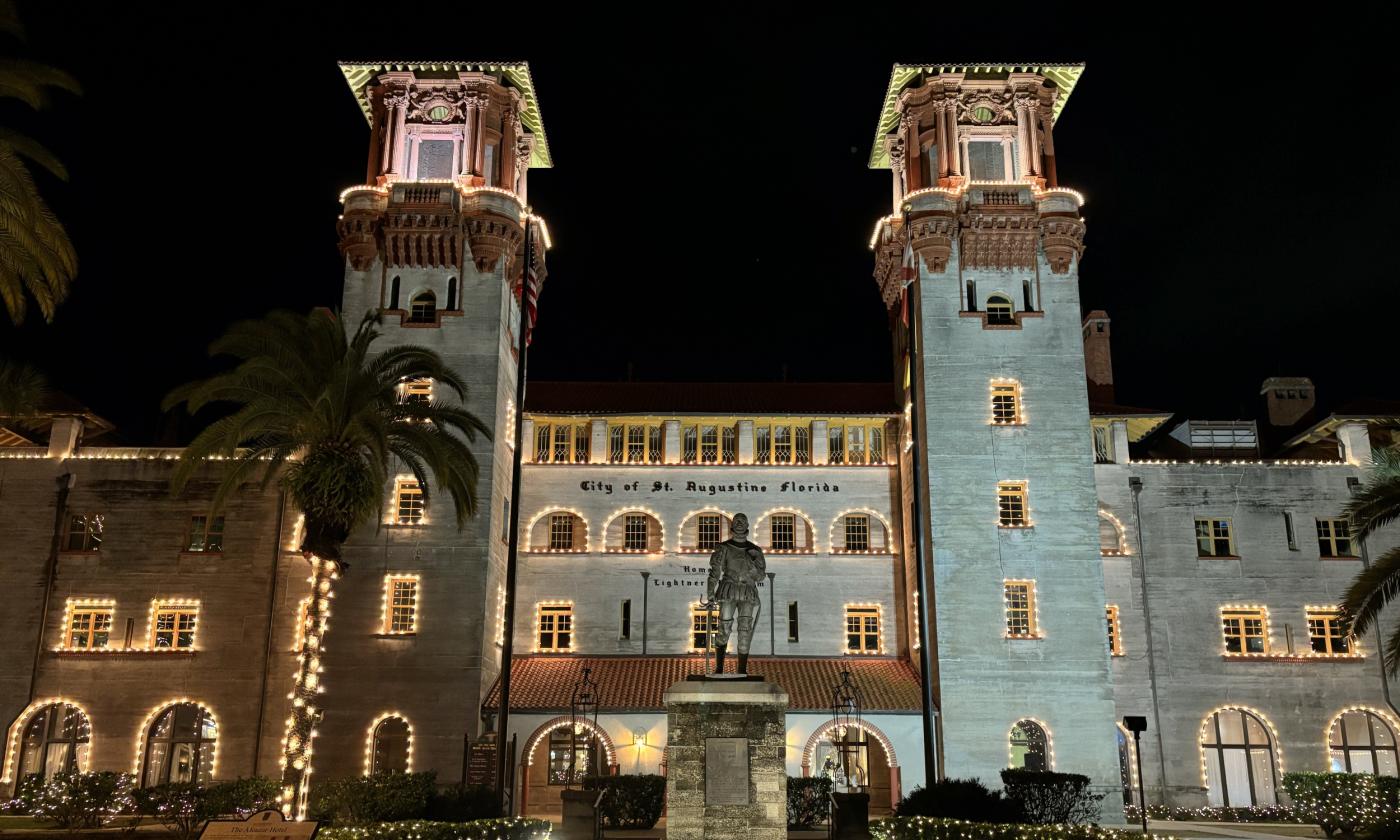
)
(22, 389)
(808, 800)
(463, 803)
(1389, 788)
(1047, 798)
(383, 797)
(183, 807)
(309, 399)
(959, 799)
(630, 801)
(501, 828)
(1371, 508)
(1339, 803)
(931, 828)
(1252, 814)
(78, 800)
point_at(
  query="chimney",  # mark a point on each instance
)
(1287, 399)
(64, 433)
(1098, 356)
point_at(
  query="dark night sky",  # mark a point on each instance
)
(710, 203)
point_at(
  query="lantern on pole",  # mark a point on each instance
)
(583, 723)
(846, 707)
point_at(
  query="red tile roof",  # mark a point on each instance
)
(712, 397)
(627, 683)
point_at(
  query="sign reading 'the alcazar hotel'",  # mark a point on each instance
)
(1087, 560)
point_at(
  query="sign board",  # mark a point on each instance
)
(264, 825)
(481, 762)
(726, 771)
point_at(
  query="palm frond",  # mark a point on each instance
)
(1370, 591)
(1377, 503)
(22, 389)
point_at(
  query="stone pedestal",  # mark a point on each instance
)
(851, 817)
(726, 770)
(578, 814)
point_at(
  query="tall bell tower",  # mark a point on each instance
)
(1019, 635)
(434, 241)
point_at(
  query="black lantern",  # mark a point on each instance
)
(583, 723)
(846, 727)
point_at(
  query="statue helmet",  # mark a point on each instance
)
(740, 522)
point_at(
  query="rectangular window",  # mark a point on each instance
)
(206, 536)
(408, 502)
(1103, 444)
(1334, 538)
(561, 532)
(986, 160)
(173, 626)
(1011, 504)
(615, 448)
(1325, 631)
(1288, 531)
(855, 444)
(783, 532)
(836, 444)
(542, 443)
(709, 444)
(877, 445)
(782, 444)
(1214, 538)
(89, 627)
(636, 444)
(654, 450)
(1246, 629)
(727, 444)
(792, 621)
(863, 629)
(762, 444)
(555, 628)
(857, 532)
(1021, 622)
(708, 528)
(802, 445)
(1006, 402)
(703, 625)
(634, 532)
(563, 443)
(625, 625)
(1115, 632)
(400, 604)
(583, 443)
(84, 533)
(417, 391)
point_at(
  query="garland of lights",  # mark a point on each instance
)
(301, 723)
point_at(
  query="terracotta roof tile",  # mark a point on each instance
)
(712, 397)
(545, 683)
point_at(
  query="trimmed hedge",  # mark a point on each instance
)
(807, 800)
(959, 799)
(1339, 803)
(631, 801)
(383, 797)
(1048, 798)
(927, 828)
(1255, 814)
(184, 808)
(76, 800)
(506, 828)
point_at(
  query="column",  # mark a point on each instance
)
(527, 438)
(1023, 131)
(940, 132)
(962, 156)
(509, 118)
(1006, 161)
(950, 120)
(396, 105)
(598, 442)
(821, 444)
(523, 150)
(1118, 431)
(1354, 443)
(483, 101)
(1034, 113)
(745, 442)
(671, 441)
(386, 137)
(913, 162)
(1049, 148)
(470, 135)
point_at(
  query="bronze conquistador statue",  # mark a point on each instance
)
(736, 568)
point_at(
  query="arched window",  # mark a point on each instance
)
(180, 746)
(452, 294)
(394, 293)
(1238, 753)
(633, 530)
(1112, 542)
(55, 741)
(1360, 741)
(558, 530)
(784, 531)
(1029, 746)
(423, 308)
(390, 752)
(999, 310)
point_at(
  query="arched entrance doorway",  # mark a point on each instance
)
(546, 763)
(866, 751)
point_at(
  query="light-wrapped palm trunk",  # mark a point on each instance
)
(305, 714)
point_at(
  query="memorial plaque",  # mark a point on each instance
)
(264, 825)
(726, 771)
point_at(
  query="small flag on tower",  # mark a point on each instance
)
(909, 269)
(532, 279)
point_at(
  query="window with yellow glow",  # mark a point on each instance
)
(1021, 619)
(173, 628)
(635, 443)
(401, 604)
(1334, 538)
(408, 501)
(1214, 538)
(555, 630)
(417, 391)
(857, 532)
(1006, 403)
(1115, 631)
(704, 624)
(562, 443)
(89, 628)
(855, 443)
(1326, 633)
(863, 629)
(1246, 630)
(782, 443)
(1011, 504)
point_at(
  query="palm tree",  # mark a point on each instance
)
(315, 411)
(22, 389)
(1374, 506)
(36, 255)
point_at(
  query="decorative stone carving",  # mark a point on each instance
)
(889, 257)
(359, 239)
(985, 107)
(423, 239)
(492, 237)
(933, 239)
(1002, 238)
(1062, 238)
(424, 102)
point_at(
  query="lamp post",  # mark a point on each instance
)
(846, 706)
(583, 713)
(1137, 724)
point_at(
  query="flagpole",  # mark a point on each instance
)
(916, 516)
(503, 785)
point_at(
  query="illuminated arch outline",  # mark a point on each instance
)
(1123, 550)
(825, 729)
(1275, 746)
(1049, 740)
(143, 731)
(840, 519)
(530, 530)
(685, 520)
(1337, 719)
(607, 523)
(17, 730)
(811, 528)
(369, 740)
(1132, 753)
(562, 722)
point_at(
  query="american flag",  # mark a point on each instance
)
(531, 281)
(908, 271)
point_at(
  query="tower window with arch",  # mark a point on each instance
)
(1361, 741)
(422, 309)
(391, 746)
(180, 746)
(784, 531)
(635, 531)
(1000, 311)
(1029, 746)
(558, 531)
(1238, 754)
(859, 532)
(55, 740)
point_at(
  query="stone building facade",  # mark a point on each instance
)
(1087, 560)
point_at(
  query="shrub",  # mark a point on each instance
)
(1336, 802)
(463, 803)
(383, 797)
(183, 807)
(631, 801)
(1215, 813)
(928, 828)
(503, 828)
(1389, 788)
(78, 800)
(959, 799)
(808, 801)
(243, 797)
(1047, 798)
